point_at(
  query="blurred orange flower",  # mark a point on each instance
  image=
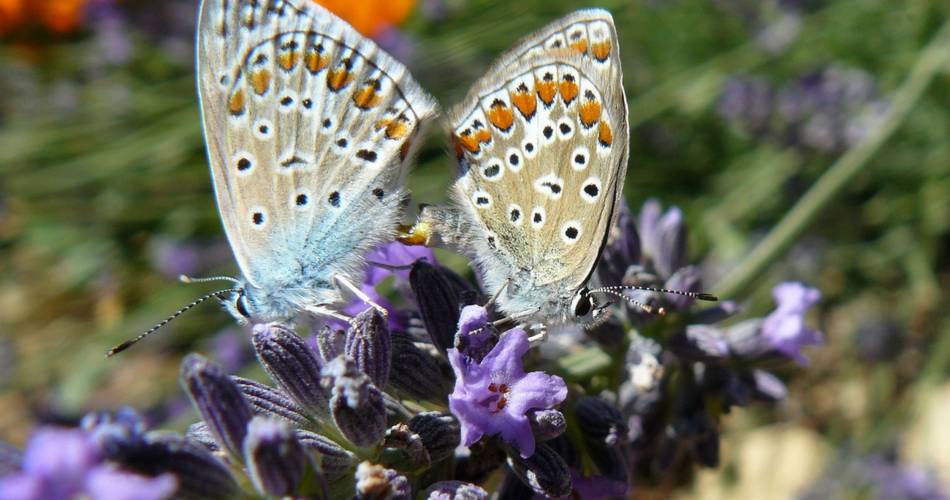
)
(369, 17)
(58, 16)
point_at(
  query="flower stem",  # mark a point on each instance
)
(931, 61)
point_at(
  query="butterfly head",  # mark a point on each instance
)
(249, 303)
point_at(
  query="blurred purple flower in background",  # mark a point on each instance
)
(827, 110)
(64, 463)
(494, 395)
(785, 327)
(875, 476)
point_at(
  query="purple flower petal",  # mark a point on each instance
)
(494, 395)
(504, 360)
(536, 390)
(785, 327)
(107, 483)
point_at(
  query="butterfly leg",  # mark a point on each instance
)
(355, 290)
(540, 336)
(328, 313)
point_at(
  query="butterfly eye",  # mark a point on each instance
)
(581, 303)
(241, 305)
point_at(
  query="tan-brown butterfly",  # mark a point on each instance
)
(541, 141)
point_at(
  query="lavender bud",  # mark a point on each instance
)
(440, 433)
(600, 421)
(513, 488)
(745, 339)
(404, 449)
(357, 406)
(671, 242)
(699, 343)
(375, 482)
(454, 490)
(333, 459)
(767, 387)
(330, 342)
(275, 460)
(547, 424)
(199, 473)
(218, 400)
(685, 279)
(439, 303)
(113, 431)
(369, 345)
(200, 433)
(270, 402)
(417, 373)
(622, 249)
(544, 471)
(292, 364)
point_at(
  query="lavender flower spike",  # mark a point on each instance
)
(494, 395)
(785, 327)
(368, 343)
(357, 406)
(292, 364)
(274, 458)
(218, 400)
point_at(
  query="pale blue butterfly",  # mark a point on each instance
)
(309, 127)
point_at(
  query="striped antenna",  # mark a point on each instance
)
(129, 343)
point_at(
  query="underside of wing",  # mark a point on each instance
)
(309, 127)
(541, 142)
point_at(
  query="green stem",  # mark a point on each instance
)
(930, 62)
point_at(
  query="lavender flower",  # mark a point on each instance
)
(65, 463)
(494, 395)
(785, 327)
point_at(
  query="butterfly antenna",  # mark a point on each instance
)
(129, 343)
(188, 279)
(693, 295)
(660, 311)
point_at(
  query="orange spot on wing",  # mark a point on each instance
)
(366, 97)
(483, 136)
(338, 78)
(546, 91)
(316, 61)
(525, 102)
(260, 81)
(579, 46)
(468, 142)
(590, 113)
(288, 60)
(501, 116)
(605, 136)
(395, 128)
(236, 103)
(569, 90)
(601, 50)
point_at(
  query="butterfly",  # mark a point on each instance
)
(541, 142)
(309, 129)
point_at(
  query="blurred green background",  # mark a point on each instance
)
(738, 108)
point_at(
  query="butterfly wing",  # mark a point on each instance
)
(541, 141)
(309, 127)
